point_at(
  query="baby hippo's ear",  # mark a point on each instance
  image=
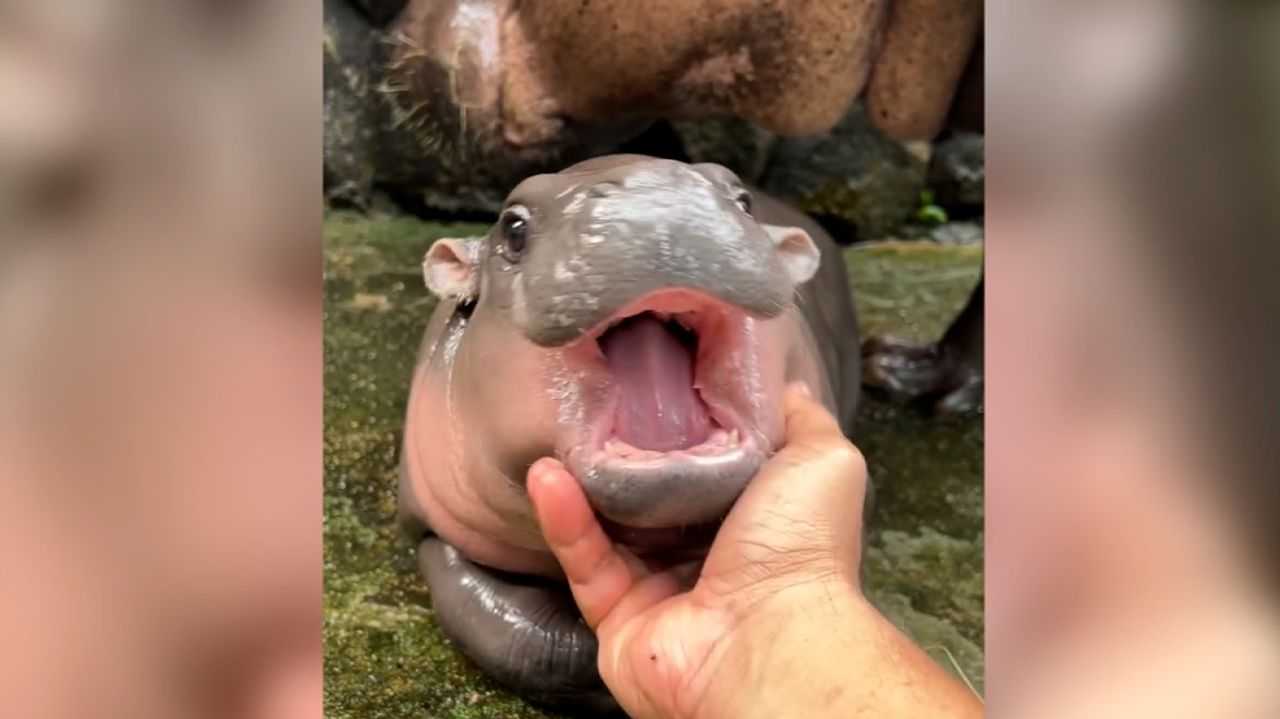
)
(452, 268)
(797, 252)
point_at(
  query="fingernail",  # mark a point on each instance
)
(540, 468)
(802, 388)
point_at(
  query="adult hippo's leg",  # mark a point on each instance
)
(924, 52)
(948, 373)
(524, 631)
(963, 342)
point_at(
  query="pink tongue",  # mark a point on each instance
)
(658, 408)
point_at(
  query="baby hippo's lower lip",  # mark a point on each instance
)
(651, 490)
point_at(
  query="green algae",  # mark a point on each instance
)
(385, 657)
(876, 204)
(924, 563)
(911, 289)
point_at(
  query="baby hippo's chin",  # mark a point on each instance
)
(667, 546)
(664, 493)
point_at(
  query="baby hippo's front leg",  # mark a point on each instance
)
(524, 631)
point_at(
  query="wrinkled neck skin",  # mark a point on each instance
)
(486, 403)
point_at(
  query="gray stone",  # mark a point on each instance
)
(854, 173)
(958, 172)
(957, 233)
(732, 142)
(350, 120)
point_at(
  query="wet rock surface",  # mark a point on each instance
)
(385, 656)
(734, 143)
(957, 233)
(854, 174)
(957, 173)
(350, 105)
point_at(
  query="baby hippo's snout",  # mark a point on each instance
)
(596, 246)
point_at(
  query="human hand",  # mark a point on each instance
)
(784, 565)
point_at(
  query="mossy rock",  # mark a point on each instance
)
(854, 174)
(957, 173)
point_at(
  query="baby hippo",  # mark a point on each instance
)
(638, 319)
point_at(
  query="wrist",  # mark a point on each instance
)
(822, 650)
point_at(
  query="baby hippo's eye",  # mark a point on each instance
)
(514, 229)
(743, 201)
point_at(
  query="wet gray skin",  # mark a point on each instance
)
(638, 319)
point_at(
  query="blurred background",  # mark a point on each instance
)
(1132, 402)
(160, 368)
(161, 350)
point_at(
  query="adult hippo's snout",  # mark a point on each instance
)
(638, 319)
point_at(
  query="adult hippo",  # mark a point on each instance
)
(637, 318)
(451, 102)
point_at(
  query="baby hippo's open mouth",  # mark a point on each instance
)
(652, 359)
(669, 448)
